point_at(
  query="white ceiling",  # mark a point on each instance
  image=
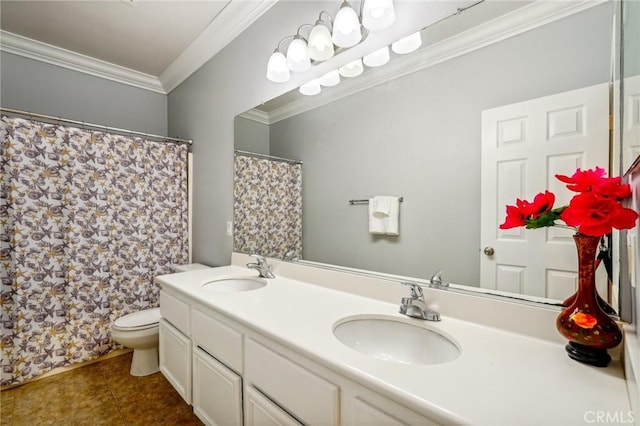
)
(165, 40)
(145, 36)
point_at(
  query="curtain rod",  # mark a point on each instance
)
(95, 126)
(265, 156)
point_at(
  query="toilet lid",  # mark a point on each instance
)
(139, 319)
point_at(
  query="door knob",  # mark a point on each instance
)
(488, 251)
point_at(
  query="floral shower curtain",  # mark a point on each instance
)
(267, 211)
(87, 219)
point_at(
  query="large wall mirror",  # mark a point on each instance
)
(424, 136)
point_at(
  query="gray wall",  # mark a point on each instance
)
(42, 88)
(419, 137)
(251, 136)
(203, 108)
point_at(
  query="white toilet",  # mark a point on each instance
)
(140, 330)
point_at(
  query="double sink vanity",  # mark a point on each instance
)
(321, 347)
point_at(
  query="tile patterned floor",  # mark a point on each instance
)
(103, 393)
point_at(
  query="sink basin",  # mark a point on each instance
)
(392, 340)
(230, 284)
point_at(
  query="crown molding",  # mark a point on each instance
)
(237, 16)
(256, 115)
(508, 25)
(227, 25)
(43, 52)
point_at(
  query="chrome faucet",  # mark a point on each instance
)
(415, 306)
(436, 280)
(291, 255)
(264, 269)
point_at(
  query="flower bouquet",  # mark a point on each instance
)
(593, 212)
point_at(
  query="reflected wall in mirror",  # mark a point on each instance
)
(419, 136)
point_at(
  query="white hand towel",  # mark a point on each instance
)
(382, 205)
(376, 222)
(383, 215)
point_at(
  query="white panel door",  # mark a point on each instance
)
(523, 146)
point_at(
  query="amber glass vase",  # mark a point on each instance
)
(588, 328)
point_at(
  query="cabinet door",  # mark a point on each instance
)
(217, 391)
(260, 411)
(175, 359)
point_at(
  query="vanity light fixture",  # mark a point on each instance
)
(344, 31)
(346, 27)
(351, 69)
(377, 58)
(407, 44)
(320, 43)
(311, 88)
(378, 14)
(330, 79)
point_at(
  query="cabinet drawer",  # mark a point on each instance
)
(218, 339)
(175, 311)
(299, 391)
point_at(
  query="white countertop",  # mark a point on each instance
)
(500, 378)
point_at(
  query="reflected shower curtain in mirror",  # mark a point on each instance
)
(267, 213)
(88, 219)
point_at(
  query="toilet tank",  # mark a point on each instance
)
(190, 267)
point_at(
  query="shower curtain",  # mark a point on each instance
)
(267, 211)
(87, 219)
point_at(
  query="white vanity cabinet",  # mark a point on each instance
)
(234, 375)
(175, 344)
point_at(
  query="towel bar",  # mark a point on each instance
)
(352, 202)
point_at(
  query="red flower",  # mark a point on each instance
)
(583, 181)
(542, 203)
(523, 211)
(611, 188)
(516, 215)
(595, 215)
(594, 181)
(595, 211)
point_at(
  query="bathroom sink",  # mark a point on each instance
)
(231, 284)
(392, 340)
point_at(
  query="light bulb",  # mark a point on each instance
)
(346, 27)
(297, 55)
(352, 69)
(377, 58)
(320, 44)
(311, 88)
(407, 44)
(277, 70)
(378, 14)
(330, 79)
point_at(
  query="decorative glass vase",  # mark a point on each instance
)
(603, 304)
(588, 328)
